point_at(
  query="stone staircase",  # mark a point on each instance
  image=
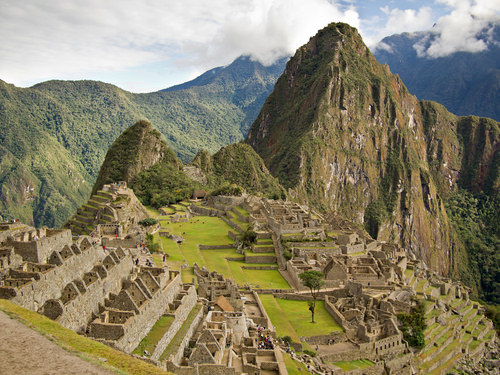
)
(95, 211)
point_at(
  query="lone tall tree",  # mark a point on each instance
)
(314, 281)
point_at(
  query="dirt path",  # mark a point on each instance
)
(24, 351)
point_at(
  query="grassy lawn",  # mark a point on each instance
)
(408, 273)
(293, 318)
(299, 316)
(81, 346)
(294, 367)
(168, 210)
(353, 365)
(420, 285)
(212, 231)
(187, 275)
(200, 230)
(216, 260)
(152, 212)
(266, 279)
(237, 272)
(278, 317)
(149, 342)
(242, 211)
(179, 207)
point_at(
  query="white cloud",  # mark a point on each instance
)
(401, 20)
(458, 31)
(72, 39)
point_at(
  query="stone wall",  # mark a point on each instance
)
(77, 313)
(205, 211)
(215, 247)
(34, 294)
(137, 327)
(38, 250)
(176, 357)
(205, 369)
(396, 365)
(185, 306)
(118, 242)
(253, 258)
(233, 225)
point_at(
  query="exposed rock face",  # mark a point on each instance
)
(135, 150)
(342, 133)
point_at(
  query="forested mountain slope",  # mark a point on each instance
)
(54, 135)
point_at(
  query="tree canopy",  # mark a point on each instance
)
(313, 280)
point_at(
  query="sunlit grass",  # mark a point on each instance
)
(353, 365)
(84, 347)
(155, 334)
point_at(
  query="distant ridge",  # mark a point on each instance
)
(465, 83)
(54, 135)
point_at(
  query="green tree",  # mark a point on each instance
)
(413, 326)
(148, 222)
(314, 281)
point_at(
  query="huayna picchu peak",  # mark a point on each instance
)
(342, 133)
(138, 148)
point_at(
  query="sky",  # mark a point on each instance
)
(148, 45)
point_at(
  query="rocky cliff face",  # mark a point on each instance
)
(135, 150)
(342, 133)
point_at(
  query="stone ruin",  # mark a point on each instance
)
(223, 327)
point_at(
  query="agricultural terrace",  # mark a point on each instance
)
(213, 231)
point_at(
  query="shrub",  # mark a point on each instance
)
(233, 190)
(413, 326)
(249, 237)
(311, 353)
(148, 222)
(287, 339)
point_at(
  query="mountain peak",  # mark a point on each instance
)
(344, 134)
(138, 148)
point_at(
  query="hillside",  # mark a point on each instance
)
(54, 135)
(345, 134)
(138, 148)
(448, 80)
(239, 164)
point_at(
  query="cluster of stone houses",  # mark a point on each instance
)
(92, 285)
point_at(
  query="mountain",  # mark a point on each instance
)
(465, 83)
(138, 148)
(239, 164)
(54, 135)
(141, 158)
(342, 133)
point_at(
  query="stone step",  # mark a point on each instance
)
(448, 350)
(101, 198)
(445, 367)
(103, 193)
(89, 208)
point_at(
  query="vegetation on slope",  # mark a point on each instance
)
(163, 184)
(135, 150)
(345, 134)
(239, 164)
(476, 219)
(54, 135)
